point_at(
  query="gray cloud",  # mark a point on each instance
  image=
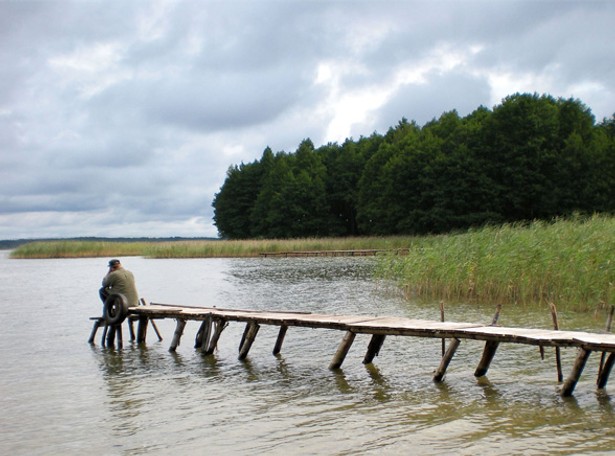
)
(121, 119)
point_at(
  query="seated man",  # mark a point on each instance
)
(119, 280)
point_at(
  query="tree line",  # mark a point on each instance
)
(530, 157)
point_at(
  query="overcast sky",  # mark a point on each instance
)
(120, 118)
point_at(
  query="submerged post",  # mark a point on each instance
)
(609, 321)
(373, 349)
(342, 350)
(142, 329)
(120, 341)
(131, 328)
(446, 359)
(250, 334)
(488, 353)
(605, 370)
(577, 370)
(103, 340)
(558, 359)
(442, 320)
(110, 335)
(202, 335)
(179, 330)
(97, 322)
(220, 324)
(280, 340)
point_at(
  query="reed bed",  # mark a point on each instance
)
(567, 262)
(200, 248)
(77, 249)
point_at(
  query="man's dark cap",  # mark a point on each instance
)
(113, 263)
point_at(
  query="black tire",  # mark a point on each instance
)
(115, 309)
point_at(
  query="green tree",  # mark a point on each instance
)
(267, 215)
(377, 213)
(235, 200)
(345, 166)
(520, 139)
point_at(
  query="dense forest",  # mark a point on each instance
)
(530, 157)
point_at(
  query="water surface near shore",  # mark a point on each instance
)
(60, 395)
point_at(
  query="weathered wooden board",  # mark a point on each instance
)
(388, 325)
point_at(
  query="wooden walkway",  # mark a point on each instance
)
(214, 320)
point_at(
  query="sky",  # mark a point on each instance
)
(121, 118)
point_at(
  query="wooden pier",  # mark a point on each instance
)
(214, 320)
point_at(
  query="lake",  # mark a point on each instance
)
(60, 395)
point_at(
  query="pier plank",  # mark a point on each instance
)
(379, 327)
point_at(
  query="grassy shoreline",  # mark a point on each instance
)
(568, 262)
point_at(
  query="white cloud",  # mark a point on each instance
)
(121, 119)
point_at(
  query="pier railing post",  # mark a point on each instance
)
(342, 350)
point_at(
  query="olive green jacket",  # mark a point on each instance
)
(122, 281)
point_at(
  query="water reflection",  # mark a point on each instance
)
(123, 399)
(380, 387)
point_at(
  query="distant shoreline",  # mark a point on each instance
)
(9, 244)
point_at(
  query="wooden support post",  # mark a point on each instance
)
(251, 333)
(142, 329)
(97, 323)
(131, 329)
(488, 354)
(244, 335)
(609, 321)
(103, 340)
(179, 330)
(156, 329)
(496, 316)
(118, 332)
(577, 370)
(213, 342)
(110, 335)
(442, 320)
(558, 360)
(605, 371)
(278, 343)
(143, 303)
(373, 348)
(202, 336)
(342, 350)
(446, 359)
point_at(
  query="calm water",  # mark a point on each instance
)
(59, 395)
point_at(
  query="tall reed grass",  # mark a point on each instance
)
(199, 248)
(568, 262)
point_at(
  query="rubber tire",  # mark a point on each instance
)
(115, 309)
